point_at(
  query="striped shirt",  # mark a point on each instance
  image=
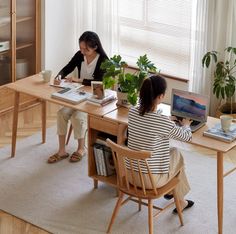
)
(152, 132)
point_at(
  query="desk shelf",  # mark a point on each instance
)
(95, 126)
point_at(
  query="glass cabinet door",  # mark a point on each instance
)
(5, 42)
(25, 38)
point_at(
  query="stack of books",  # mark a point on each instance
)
(108, 97)
(104, 160)
(217, 133)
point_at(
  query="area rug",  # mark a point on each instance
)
(60, 197)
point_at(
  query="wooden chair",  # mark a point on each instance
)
(135, 193)
(69, 134)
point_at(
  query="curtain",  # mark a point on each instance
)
(100, 16)
(213, 26)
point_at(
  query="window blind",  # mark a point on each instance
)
(159, 28)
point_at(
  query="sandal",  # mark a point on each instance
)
(56, 158)
(76, 157)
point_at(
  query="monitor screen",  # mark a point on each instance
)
(189, 105)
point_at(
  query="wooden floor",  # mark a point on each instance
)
(29, 123)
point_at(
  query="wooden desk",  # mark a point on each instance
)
(120, 116)
(34, 86)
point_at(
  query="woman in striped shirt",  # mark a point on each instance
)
(149, 130)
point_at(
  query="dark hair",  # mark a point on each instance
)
(92, 40)
(152, 87)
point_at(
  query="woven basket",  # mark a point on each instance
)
(225, 110)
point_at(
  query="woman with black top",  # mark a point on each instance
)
(88, 61)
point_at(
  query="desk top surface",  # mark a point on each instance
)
(121, 115)
(35, 86)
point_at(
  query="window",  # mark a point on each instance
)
(159, 28)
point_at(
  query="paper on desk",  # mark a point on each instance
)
(64, 84)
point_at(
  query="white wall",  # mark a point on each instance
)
(59, 42)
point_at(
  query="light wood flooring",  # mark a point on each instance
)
(29, 123)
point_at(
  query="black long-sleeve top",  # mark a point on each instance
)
(76, 61)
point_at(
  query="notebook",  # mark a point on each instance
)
(185, 104)
(73, 96)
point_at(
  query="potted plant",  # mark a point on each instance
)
(224, 78)
(127, 83)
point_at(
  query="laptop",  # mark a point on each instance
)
(185, 104)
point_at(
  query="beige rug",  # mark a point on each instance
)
(60, 197)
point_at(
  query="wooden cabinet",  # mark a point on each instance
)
(20, 39)
(111, 126)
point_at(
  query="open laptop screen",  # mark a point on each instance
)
(189, 105)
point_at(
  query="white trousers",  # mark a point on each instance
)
(176, 168)
(78, 120)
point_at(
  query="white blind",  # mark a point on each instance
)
(159, 28)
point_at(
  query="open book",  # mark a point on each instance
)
(217, 133)
(64, 84)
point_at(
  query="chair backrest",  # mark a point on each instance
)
(131, 161)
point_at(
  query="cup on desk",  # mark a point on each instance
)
(46, 75)
(226, 121)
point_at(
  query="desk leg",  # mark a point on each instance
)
(44, 119)
(95, 183)
(220, 192)
(15, 123)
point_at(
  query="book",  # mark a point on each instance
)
(73, 96)
(217, 133)
(108, 97)
(109, 162)
(104, 160)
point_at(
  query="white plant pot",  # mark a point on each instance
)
(122, 99)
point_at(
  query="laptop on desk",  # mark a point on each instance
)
(185, 104)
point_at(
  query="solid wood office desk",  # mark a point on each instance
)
(120, 116)
(35, 86)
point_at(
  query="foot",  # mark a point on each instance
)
(188, 205)
(57, 157)
(77, 156)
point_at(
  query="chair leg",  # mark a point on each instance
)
(150, 216)
(115, 211)
(69, 134)
(178, 207)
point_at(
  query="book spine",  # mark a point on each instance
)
(101, 160)
(109, 163)
(96, 159)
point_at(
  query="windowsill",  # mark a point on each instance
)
(166, 76)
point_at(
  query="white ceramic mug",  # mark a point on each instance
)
(226, 121)
(46, 75)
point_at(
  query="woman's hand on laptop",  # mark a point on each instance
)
(185, 122)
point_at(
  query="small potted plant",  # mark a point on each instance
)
(128, 84)
(224, 77)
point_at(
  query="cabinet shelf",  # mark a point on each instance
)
(22, 19)
(24, 45)
(111, 180)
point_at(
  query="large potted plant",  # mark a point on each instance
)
(127, 84)
(224, 77)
